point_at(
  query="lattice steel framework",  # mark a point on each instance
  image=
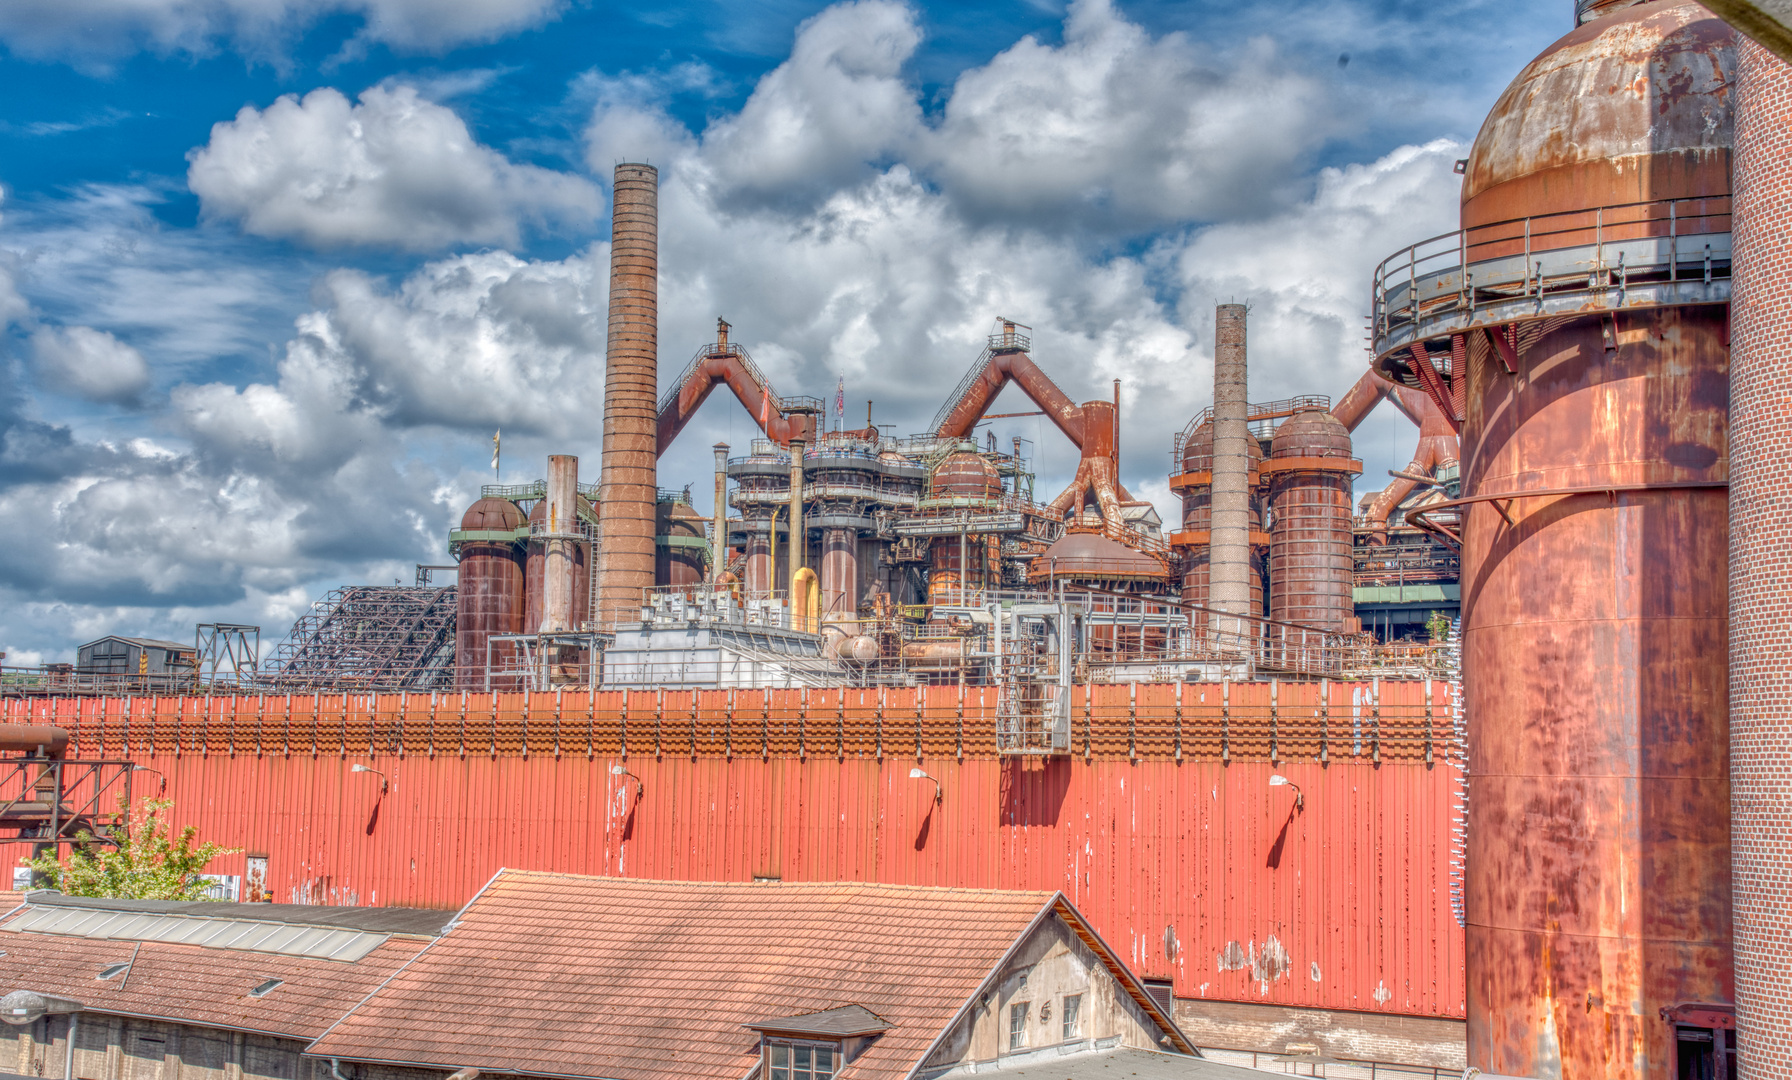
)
(371, 637)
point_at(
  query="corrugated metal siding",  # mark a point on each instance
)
(1160, 825)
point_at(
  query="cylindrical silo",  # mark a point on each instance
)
(536, 608)
(631, 389)
(839, 574)
(490, 598)
(957, 563)
(1197, 518)
(1310, 561)
(1761, 563)
(561, 543)
(1598, 864)
(679, 544)
(719, 544)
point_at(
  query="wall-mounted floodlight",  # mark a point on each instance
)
(158, 772)
(622, 770)
(384, 783)
(921, 774)
(1278, 780)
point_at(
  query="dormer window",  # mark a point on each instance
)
(792, 1060)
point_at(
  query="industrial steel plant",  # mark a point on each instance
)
(1441, 777)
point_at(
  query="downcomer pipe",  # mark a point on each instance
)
(631, 385)
(562, 527)
(718, 561)
(1229, 588)
(1759, 606)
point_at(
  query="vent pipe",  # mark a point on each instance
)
(1229, 561)
(798, 541)
(631, 386)
(718, 544)
(558, 542)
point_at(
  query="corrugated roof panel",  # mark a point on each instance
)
(240, 935)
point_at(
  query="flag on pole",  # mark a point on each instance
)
(495, 435)
(840, 404)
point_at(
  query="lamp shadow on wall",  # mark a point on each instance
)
(1033, 790)
(1275, 850)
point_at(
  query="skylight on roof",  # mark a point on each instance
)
(266, 988)
(113, 971)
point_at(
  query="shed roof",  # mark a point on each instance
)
(845, 1021)
(557, 975)
(192, 984)
(419, 921)
(145, 642)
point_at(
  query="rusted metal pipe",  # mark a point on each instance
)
(631, 385)
(718, 562)
(561, 534)
(799, 556)
(42, 739)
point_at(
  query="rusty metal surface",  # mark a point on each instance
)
(966, 476)
(1162, 826)
(840, 573)
(1633, 107)
(535, 607)
(1084, 556)
(729, 365)
(560, 538)
(1594, 675)
(953, 564)
(1195, 485)
(631, 386)
(677, 562)
(1311, 567)
(491, 597)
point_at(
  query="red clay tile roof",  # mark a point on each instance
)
(193, 984)
(610, 977)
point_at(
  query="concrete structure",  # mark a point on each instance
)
(631, 386)
(1229, 556)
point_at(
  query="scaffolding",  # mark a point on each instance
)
(370, 637)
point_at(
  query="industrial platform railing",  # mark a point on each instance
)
(1259, 416)
(1644, 254)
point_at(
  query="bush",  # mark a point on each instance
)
(147, 862)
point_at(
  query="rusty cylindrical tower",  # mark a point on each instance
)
(1310, 563)
(490, 599)
(678, 544)
(560, 547)
(1195, 485)
(964, 479)
(1593, 438)
(631, 388)
(1761, 562)
(1229, 556)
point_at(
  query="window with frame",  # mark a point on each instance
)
(1072, 1013)
(1017, 1024)
(786, 1060)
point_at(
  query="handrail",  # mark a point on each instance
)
(1255, 413)
(1419, 516)
(1619, 247)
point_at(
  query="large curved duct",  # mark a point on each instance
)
(1439, 444)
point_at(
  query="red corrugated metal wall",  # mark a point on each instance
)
(1161, 824)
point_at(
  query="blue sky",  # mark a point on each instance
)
(271, 271)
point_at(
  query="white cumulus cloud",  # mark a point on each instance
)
(392, 170)
(90, 363)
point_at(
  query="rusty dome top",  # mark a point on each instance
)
(1585, 11)
(1633, 106)
(1197, 452)
(966, 475)
(492, 514)
(1311, 433)
(1093, 555)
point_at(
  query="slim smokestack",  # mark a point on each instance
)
(719, 554)
(798, 542)
(1230, 559)
(631, 385)
(562, 532)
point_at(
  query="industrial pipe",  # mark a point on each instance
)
(799, 557)
(558, 542)
(805, 601)
(40, 739)
(718, 562)
(631, 385)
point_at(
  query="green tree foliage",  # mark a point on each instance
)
(148, 863)
(1439, 626)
